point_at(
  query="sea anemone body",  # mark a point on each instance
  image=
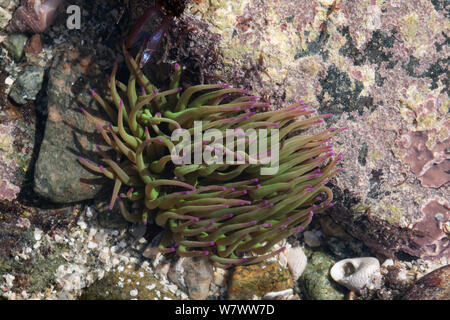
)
(230, 212)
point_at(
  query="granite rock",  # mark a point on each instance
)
(68, 135)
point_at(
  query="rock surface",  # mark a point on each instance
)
(316, 282)
(379, 67)
(433, 286)
(17, 142)
(59, 176)
(28, 85)
(246, 282)
(198, 275)
(6, 10)
(16, 44)
(131, 283)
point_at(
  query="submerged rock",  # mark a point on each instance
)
(315, 281)
(382, 76)
(16, 43)
(68, 135)
(130, 283)
(28, 85)
(17, 139)
(433, 286)
(257, 280)
(198, 275)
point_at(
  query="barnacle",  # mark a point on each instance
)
(231, 213)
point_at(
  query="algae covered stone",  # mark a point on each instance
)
(16, 44)
(257, 280)
(28, 85)
(316, 282)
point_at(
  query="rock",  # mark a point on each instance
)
(220, 276)
(17, 138)
(68, 135)
(7, 7)
(16, 44)
(34, 44)
(24, 250)
(34, 16)
(176, 271)
(257, 280)
(28, 85)
(111, 219)
(9, 4)
(332, 229)
(315, 281)
(357, 274)
(130, 283)
(433, 286)
(5, 17)
(369, 68)
(198, 275)
(311, 239)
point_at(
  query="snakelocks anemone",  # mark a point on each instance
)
(230, 211)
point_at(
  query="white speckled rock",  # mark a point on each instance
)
(296, 261)
(357, 273)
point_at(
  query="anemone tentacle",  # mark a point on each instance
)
(229, 212)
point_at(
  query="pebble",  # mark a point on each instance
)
(16, 44)
(82, 224)
(134, 293)
(198, 275)
(311, 239)
(92, 245)
(34, 44)
(388, 263)
(5, 17)
(27, 85)
(9, 81)
(151, 252)
(315, 281)
(220, 277)
(38, 234)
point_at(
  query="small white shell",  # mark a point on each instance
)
(357, 273)
(296, 261)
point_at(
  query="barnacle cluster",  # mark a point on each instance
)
(229, 212)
